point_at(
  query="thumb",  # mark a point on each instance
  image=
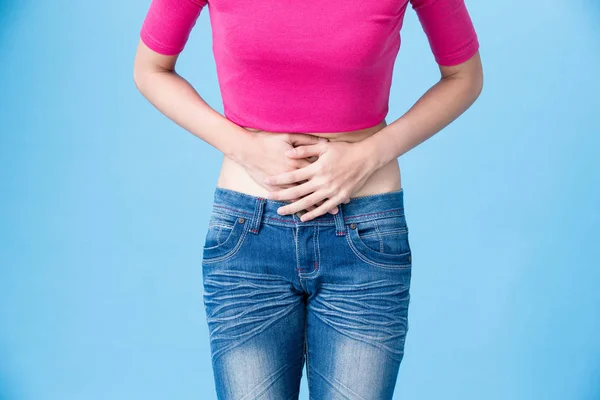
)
(305, 151)
(299, 139)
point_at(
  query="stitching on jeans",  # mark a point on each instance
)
(378, 236)
(330, 220)
(306, 348)
(374, 263)
(318, 250)
(247, 196)
(375, 213)
(295, 230)
(315, 242)
(219, 230)
(233, 252)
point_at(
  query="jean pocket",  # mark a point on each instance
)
(381, 242)
(224, 236)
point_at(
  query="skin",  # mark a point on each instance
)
(342, 168)
(303, 169)
(260, 152)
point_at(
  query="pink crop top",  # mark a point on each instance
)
(309, 66)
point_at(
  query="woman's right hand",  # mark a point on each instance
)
(264, 156)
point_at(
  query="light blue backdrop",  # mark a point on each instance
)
(104, 204)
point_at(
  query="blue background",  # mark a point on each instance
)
(104, 204)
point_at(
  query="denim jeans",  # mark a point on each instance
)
(332, 292)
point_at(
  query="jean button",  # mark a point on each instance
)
(241, 220)
(352, 226)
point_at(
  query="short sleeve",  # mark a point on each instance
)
(168, 24)
(449, 29)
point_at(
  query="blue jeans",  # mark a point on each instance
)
(332, 292)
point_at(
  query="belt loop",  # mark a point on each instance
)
(340, 227)
(257, 217)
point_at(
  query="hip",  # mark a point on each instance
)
(336, 288)
(247, 231)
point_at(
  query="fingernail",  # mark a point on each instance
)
(290, 152)
(267, 182)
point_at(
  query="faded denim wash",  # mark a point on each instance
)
(332, 292)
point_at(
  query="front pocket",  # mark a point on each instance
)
(220, 227)
(381, 242)
(224, 236)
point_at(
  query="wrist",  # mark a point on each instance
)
(375, 152)
(240, 146)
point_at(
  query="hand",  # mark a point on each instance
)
(264, 156)
(340, 170)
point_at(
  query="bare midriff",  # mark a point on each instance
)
(385, 179)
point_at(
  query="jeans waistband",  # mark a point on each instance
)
(260, 210)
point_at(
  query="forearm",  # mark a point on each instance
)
(175, 97)
(439, 106)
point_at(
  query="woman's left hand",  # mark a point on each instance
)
(341, 169)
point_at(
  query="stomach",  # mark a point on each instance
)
(233, 176)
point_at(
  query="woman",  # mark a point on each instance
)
(306, 256)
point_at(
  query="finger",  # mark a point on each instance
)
(347, 200)
(298, 139)
(333, 202)
(309, 208)
(332, 211)
(302, 204)
(291, 176)
(293, 192)
(298, 163)
(305, 151)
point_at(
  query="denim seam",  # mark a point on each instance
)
(317, 255)
(379, 236)
(219, 231)
(391, 211)
(231, 253)
(306, 349)
(375, 263)
(315, 245)
(318, 265)
(245, 195)
(221, 224)
(352, 218)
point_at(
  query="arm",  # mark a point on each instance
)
(155, 77)
(455, 47)
(163, 36)
(342, 168)
(457, 89)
